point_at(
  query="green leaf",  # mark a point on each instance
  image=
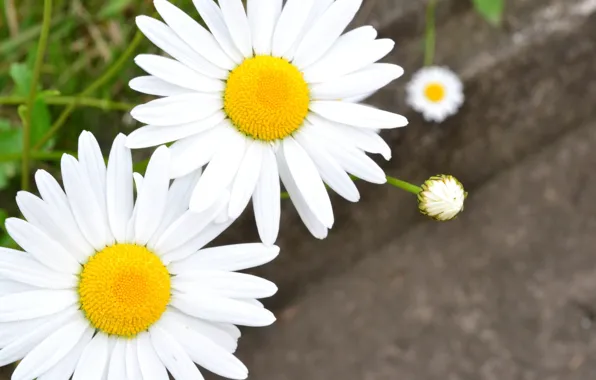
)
(491, 10)
(21, 75)
(40, 121)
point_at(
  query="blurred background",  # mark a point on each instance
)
(507, 291)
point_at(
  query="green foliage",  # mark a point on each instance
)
(491, 10)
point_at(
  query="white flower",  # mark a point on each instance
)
(110, 287)
(442, 197)
(266, 95)
(436, 92)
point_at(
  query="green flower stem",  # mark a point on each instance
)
(429, 41)
(35, 155)
(390, 180)
(107, 75)
(68, 100)
(41, 51)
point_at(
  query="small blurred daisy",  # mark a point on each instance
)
(109, 287)
(442, 197)
(436, 92)
(268, 92)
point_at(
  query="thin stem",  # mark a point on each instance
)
(113, 70)
(41, 51)
(68, 100)
(430, 39)
(35, 155)
(403, 185)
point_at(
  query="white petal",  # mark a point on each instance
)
(191, 153)
(368, 140)
(358, 164)
(93, 166)
(117, 366)
(150, 85)
(93, 363)
(219, 173)
(316, 228)
(172, 355)
(133, 369)
(325, 31)
(266, 199)
(177, 73)
(225, 284)
(21, 267)
(318, 8)
(213, 17)
(119, 188)
(151, 202)
(227, 258)
(52, 350)
(164, 38)
(199, 241)
(220, 309)
(40, 214)
(308, 181)
(179, 109)
(289, 25)
(154, 135)
(42, 247)
(83, 203)
(12, 287)
(65, 368)
(346, 57)
(212, 331)
(331, 172)
(151, 366)
(357, 115)
(191, 32)
(246, 179)
(237, 23)
(361, 82)
(252, 301)
(23, 344)
(205, 352)
(262, 17)
(35, 304)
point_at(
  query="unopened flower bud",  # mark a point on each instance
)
(442, 197)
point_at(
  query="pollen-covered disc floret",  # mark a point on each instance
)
(268, 91)
(113, 285)
(442, 197)
(124, 289)
(436, 92)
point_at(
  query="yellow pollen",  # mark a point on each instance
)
(124, 289)
(435, 92)
(266, 98)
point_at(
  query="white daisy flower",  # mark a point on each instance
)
(436, 92)
(442, 197)
(113, 288)
(267, 92)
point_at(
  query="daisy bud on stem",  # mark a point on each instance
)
(441, 197)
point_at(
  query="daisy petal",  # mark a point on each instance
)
(133, 369)
(367, 140)
(237, 23)
(358, 164)
(225, 284)
(209, 330)
(318, 8)
(119, 188)
(52, 350)
(219, 173)
(117, 366)
(179, 109)
(191, 32)
(361, 82)
(65, 368)
(151, 85)
(262, 17)
(151, 202)
(45, 249)
(19, 266)
(289, 25)
(35, 304)
(308, 181)
(212, 16)
(246, 180)
(93, 363)
(149, 363)
(178, 74)
(154, 135)
(12, 287)
(325, 31)
(205, 352)
(214, 308)
(357, 115)
(227, 258)
(172, 355)
(266, 199)
(164, 38)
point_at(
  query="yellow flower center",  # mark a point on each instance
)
(266, 98)
(435, 92)
(124, 289)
